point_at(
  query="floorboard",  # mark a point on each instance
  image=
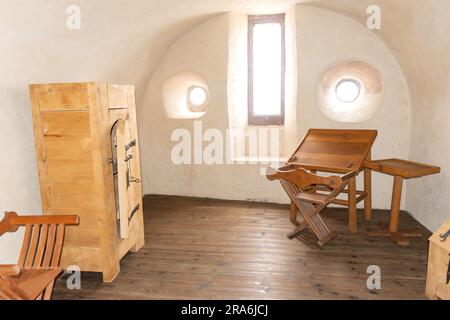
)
(217, 249)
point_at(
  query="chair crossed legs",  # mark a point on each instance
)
(300, 186)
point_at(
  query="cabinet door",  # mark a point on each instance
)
(125, 166)
(122, 178)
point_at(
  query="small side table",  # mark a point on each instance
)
(400, 169)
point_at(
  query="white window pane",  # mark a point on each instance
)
(348, 90)
(197, 96)
(267, 69)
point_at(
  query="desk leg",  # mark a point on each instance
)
(352, 215)
(395, 204)
(368, 192)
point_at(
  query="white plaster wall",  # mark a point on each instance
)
(37, 47)
(324, 37)
(123, 42)
(205, 50)
(120, 41)
(417, 32)
(427, 66)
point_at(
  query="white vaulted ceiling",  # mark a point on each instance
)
(119, 40)
(122, 39)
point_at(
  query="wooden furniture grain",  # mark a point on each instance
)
(339, 151)
(39, 261)
(400, 169)
(88, 160)
(300, 187)
(438, 273)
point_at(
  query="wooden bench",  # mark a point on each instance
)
(38, 266)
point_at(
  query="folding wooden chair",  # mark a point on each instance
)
(38, 267)
(301, 187)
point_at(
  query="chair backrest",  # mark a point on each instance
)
(43, 239)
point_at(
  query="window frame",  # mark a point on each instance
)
(266, 120)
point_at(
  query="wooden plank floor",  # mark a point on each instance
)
(216, 249)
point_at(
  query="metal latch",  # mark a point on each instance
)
(130, 145)
(133, 212)
(444, 235)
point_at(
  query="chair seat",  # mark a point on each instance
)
(31, 282)
(315, 198)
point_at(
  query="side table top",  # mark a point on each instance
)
(399, 167)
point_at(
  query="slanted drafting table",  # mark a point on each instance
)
(338, 151)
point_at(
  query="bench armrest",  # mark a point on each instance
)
(9, 270)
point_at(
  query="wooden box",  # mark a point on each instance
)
(88, 162)
(438, 265)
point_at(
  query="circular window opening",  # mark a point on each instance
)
(197, 98)
(348, 90)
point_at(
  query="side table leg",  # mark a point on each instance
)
(352, 214)
(395, 204)
(368, 191)
(398, 238)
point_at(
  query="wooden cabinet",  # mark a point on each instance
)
(88, 162)
(438, 275)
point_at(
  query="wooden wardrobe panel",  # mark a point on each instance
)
(66, 96)
(72, 125)
(65, 124)
(70, 171)
(117, 97)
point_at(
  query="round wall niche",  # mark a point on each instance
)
(349, 91)
(185, 96)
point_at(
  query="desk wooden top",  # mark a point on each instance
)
(404, 168)
(334, 150)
